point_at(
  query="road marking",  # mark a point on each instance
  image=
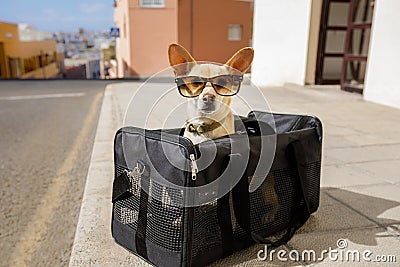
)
(36, 230)
(45, 96)
(108, 90)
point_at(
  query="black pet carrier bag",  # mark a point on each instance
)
(152, 219)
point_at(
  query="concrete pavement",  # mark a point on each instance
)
(47, 130)
(360, 183)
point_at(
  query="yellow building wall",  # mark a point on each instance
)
(48, 71)
(8, 39)
(8, 32)
(13, 48)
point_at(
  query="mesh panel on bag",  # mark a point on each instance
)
(206, 229)
(164, 219)
(206, 232)
(313, 179)
(271, 203)
(126, 210)
(267, 218)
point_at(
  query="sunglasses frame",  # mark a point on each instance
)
(238, 78)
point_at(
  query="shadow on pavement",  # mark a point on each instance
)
(342, 215)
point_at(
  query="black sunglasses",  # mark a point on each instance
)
(224, 85)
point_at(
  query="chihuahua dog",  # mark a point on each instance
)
(209, 88)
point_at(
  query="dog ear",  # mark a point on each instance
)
(241, 60)
(180, 59)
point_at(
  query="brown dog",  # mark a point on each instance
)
(209, 88)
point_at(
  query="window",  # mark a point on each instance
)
(235, 32)
(41, 61)
(29, 64)
(152, 3)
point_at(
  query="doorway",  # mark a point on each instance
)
(345, 29)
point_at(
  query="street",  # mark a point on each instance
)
(47, 130)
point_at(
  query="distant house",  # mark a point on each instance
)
(27, 34)
(210, 30)
(27, 59)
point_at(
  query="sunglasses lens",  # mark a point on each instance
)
(190, 86)
(226, 85)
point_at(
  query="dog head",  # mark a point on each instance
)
(208, 86)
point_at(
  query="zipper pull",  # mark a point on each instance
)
(128, 174)
(194, 166)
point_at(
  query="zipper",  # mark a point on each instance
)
(189, 211)
(194, 166)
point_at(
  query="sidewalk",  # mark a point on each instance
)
(360, 194)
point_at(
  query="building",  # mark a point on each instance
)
(87, 64)
(354, 43)
(210, 30)
(27, 59)
(351, 43)
(27, 33)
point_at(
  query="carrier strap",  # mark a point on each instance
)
(224, 209)
(300, 210)
(140, 237)
(225, 222)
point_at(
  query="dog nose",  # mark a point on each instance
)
(208, 98)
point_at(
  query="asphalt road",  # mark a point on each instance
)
(47, 130)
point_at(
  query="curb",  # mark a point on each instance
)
(93, 243)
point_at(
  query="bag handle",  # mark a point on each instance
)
(300, 213)
(121, 185)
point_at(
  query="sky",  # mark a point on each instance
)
(59, 15)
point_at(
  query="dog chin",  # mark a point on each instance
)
(207, 111)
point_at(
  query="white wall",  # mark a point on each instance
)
(280, 41)
(382, 81)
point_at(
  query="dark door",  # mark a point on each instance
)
(357, 45)
(332, 37)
